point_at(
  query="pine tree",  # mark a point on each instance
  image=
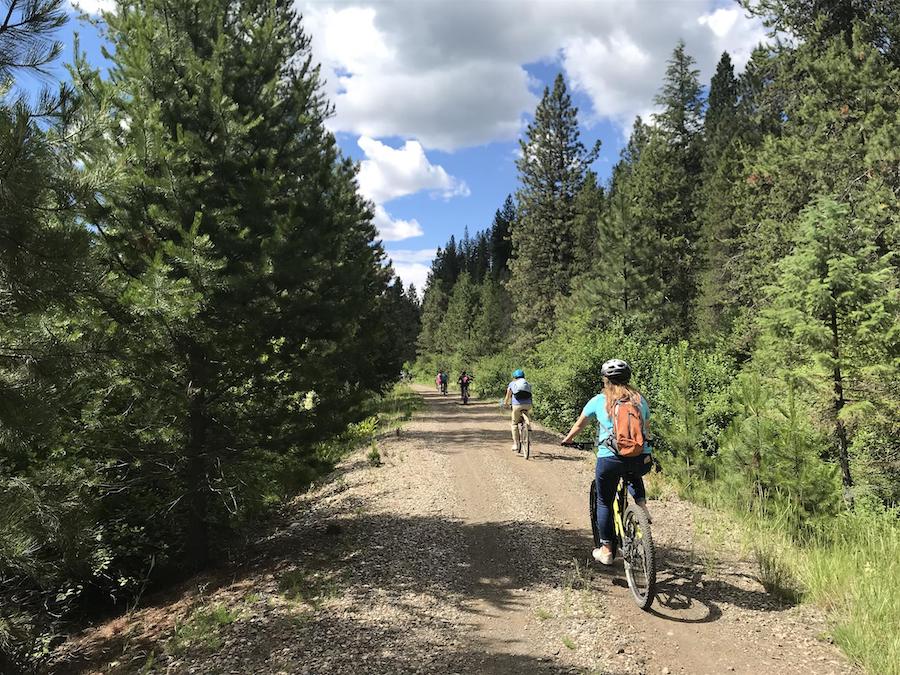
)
(47, 359)
(456, 339)
(244, 273)
(589, 205)
(834, 317)
(681, 100)
(552, 170)
(721, 169)
(501, 239)
(663, 191)
(877, 20)
(491, 327)
(434, 308)
(837, 122)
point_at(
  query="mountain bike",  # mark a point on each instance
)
(632, 536)
(524, 425)
(464, 390)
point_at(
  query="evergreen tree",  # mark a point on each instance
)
(456, 339)
(491, 326)
(552, 169)
(681, 100)
(771, 454)
(589, 206)
(501, 239)
(630, 155)
(834, 317)
(47, 536)
(244, 275)
(836, 137)
(721, 169)
(663, 191)
(434, 308)
(878, 21)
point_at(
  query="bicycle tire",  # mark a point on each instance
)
(592, 513)
(639, 553)
(526, 442)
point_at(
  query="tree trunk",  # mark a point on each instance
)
(840, 430)
(197, 545)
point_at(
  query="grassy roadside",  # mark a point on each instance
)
(851, 570)
(387, 414)
(849, 566)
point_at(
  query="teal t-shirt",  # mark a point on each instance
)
(596, 408)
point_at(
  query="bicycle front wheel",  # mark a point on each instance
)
(526, 442)
(592, 513)
(640, 555)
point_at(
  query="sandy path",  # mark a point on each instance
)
(458, 556)
(705, 621)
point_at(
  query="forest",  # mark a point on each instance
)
(194, 301)
(743, 258)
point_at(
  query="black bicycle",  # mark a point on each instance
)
(632, 536)
(464, 390)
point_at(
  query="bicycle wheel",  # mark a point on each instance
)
(526, 441)
(592, 513)
(640, 555)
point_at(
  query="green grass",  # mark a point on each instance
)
(849, 565)
(312, 588)
(202, 630)
(373, 455)
(568, 642)
(542, 614)
(384, 415)
(854, 573)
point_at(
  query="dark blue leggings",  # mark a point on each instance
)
(607, 474)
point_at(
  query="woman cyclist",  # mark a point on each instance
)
(518, 395)
(610, 466)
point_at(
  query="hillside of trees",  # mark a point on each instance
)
(193, 299)
(743, 257)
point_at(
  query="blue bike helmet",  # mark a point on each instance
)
(517, 373)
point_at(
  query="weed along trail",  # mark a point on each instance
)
(444, 552)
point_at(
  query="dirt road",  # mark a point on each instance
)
(458, 556)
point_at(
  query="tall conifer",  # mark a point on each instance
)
(552, 169)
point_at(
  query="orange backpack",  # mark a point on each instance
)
(628, 435)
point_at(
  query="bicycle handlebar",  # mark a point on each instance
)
(578, 445)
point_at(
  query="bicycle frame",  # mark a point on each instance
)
(621, 501)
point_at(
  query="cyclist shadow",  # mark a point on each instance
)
(688, 592)
(679, 597)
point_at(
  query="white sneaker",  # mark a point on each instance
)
(515, 448)
(601, 556)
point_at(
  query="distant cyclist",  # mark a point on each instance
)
(611, 466)
(518, 395)
(445, 380)
(437, 381)
(464, 381)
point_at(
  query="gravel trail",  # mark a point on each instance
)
(458, 556)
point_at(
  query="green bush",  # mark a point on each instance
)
(493, 373)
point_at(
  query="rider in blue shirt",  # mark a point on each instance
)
(518, 395)
(611, 467)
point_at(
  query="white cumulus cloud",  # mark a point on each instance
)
(412, 265)
(452, 74)
(94, 7)
(391, 229)
(388, 173)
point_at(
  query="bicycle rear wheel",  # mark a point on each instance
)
(592, 513)
(526, 441)
(640, 555)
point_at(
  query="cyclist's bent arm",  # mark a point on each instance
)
(576, 429)
(508, 398)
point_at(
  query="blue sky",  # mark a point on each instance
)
(431, 95)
